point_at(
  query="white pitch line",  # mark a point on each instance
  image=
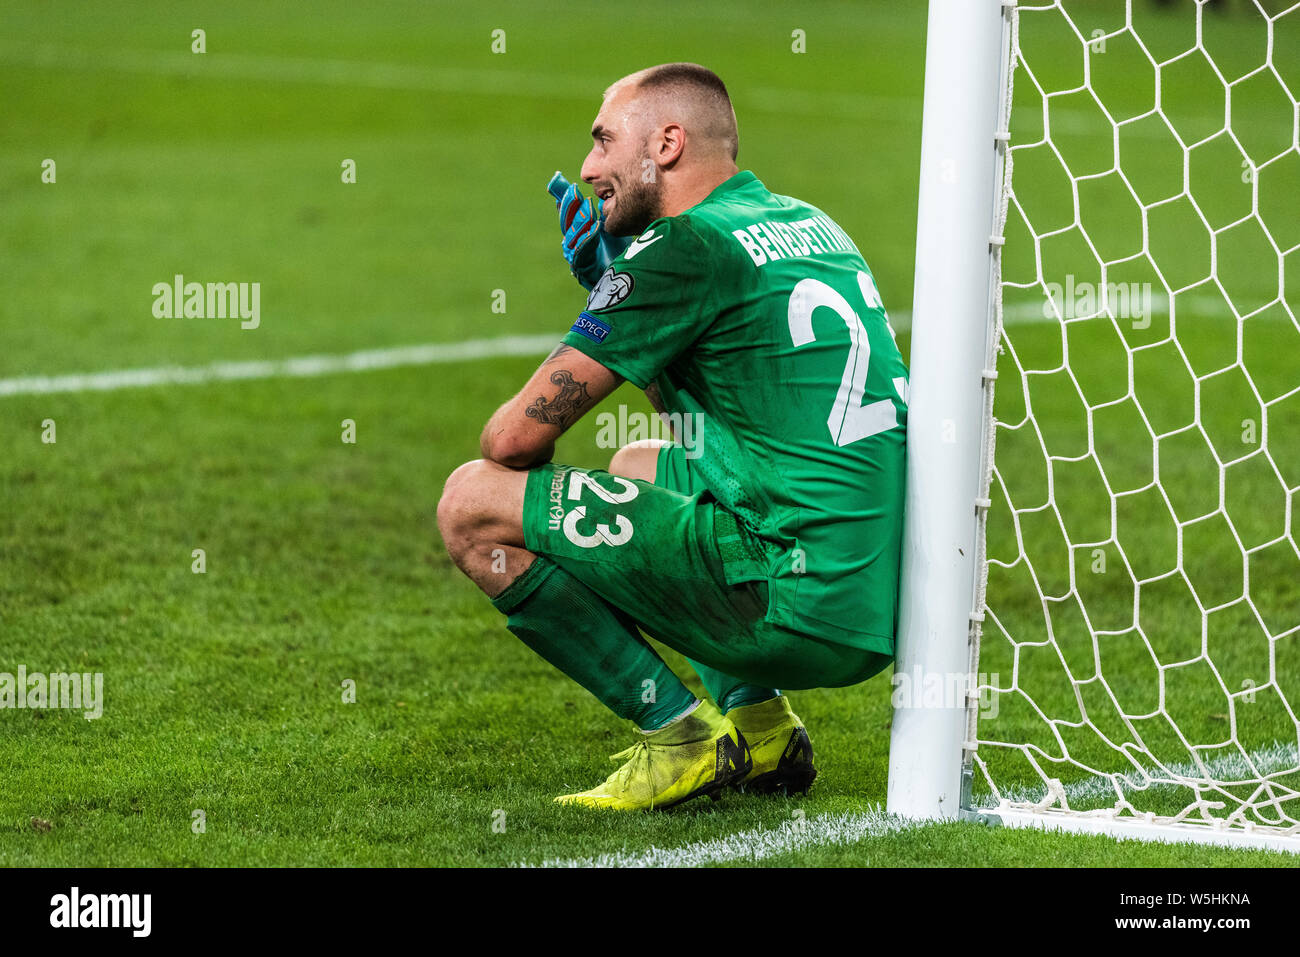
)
(755, 845)
(849, 828)
(295, 367)
(429, 353)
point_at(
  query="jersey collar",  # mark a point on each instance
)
(739, 181)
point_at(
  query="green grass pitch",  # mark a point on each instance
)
(224, 690)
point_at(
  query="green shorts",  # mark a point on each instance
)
(652, 550)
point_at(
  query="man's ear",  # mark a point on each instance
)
(671, 142)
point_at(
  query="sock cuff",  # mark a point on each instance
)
(744, 695)
(690, 709)
(517, 592)
(761, 715)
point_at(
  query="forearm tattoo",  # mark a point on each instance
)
(568, 404)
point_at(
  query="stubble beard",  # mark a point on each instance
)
(636, 204)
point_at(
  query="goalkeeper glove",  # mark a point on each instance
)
(587, 248)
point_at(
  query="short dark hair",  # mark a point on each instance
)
(685, 74)
(702, 82)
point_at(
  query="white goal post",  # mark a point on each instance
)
(1124, 687)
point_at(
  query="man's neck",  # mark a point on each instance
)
(683, 197)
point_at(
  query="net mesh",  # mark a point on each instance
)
(1136, 650)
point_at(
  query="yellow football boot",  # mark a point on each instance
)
(700, 753)
(779, 745)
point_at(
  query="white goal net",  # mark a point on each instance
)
(1138, 657)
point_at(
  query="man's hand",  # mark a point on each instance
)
(587, 248)
(522, 433)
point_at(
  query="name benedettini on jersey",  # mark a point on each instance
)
(756, 312)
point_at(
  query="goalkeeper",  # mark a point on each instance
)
(768, 553)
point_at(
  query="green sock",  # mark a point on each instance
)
(731, 692)
(592, 642)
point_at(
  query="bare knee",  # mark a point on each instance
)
(637, 460)
(457, 511)
(481, 506)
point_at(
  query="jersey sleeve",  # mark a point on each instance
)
(650, 305)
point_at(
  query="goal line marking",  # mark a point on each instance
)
(755, 844)
(852, 828)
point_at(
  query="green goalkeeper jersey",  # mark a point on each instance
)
(757, 318)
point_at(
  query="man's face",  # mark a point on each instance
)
(620, 169)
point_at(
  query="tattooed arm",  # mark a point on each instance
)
(656, 401)
(653, 396)
(522, 433)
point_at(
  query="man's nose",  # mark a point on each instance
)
(589, 171)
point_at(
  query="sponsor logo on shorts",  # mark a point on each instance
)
(556, 511)
(573, 521)
(591, 327)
